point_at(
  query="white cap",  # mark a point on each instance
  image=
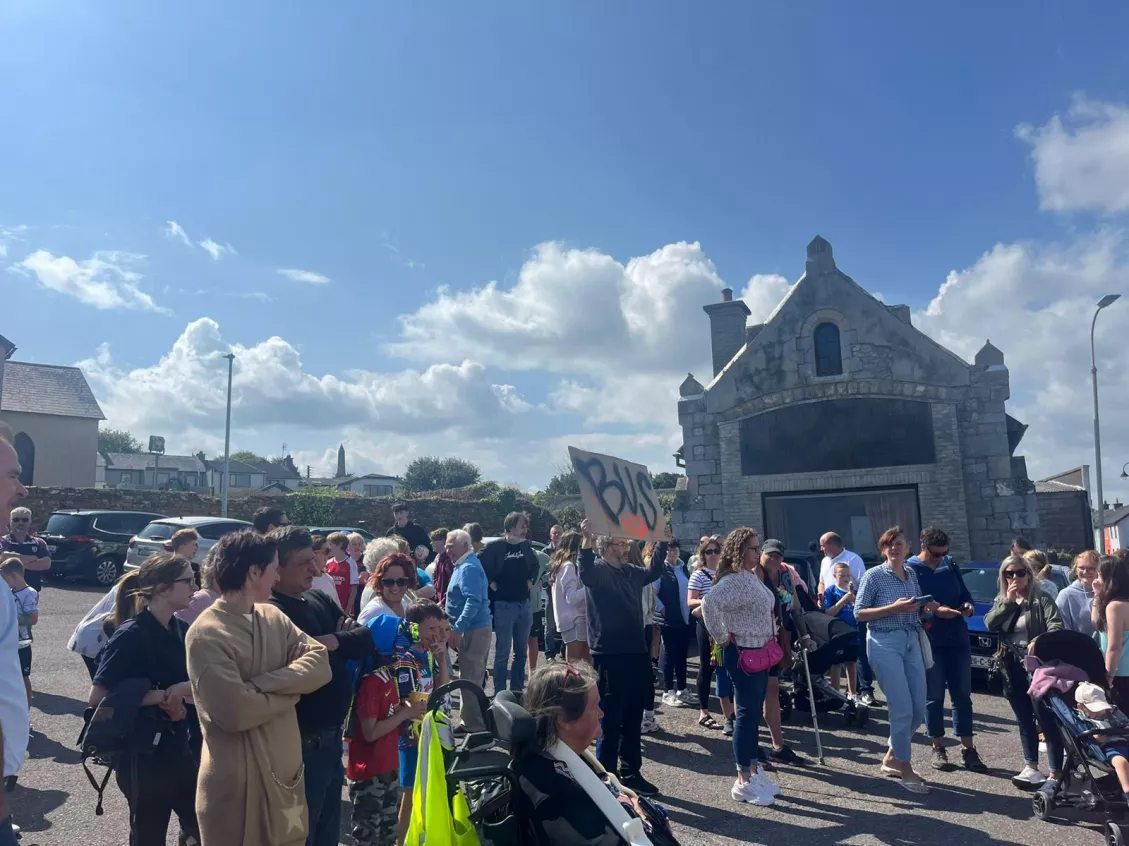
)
(1092, 699)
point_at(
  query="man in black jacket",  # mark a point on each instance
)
(511, 565)
(321, 714)
(416, 536)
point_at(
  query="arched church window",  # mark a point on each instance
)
(828, 352)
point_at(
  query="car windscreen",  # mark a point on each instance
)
(65, 524)
(158, 531)
(983, 583)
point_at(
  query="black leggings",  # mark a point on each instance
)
(705, 665)
(156, 786)
(676, 643)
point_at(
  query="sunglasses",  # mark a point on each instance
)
(713, 552)
(403, 583)
(1087, 570)
(1015, 574)
(21, 519)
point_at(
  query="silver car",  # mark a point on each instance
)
(155, 537)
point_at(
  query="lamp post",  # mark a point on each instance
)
(227, 438)
(1104, 302)
(1125, 471)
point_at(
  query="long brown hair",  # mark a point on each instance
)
(1114, 573)
(136, 588)
(565, 553)
(733, 551)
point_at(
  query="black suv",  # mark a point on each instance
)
(92, 544)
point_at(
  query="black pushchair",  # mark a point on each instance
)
(1088, 779)
(837, 642)
(499, 809)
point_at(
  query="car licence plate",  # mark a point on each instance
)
(981, 662)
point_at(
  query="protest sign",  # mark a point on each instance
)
(618, 497)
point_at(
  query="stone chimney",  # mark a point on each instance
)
(727, 328)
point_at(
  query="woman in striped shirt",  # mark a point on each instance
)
(887, 602)
(739, 616)
(701, 580)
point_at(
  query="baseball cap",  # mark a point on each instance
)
(1092, 699)
(771, 545)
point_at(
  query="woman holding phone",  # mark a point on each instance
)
(890, 603)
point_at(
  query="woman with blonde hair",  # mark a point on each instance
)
(1076, 600)
(888, 603)
(697, 589)
(1020, 614)
(739, 615)
(1042, 569)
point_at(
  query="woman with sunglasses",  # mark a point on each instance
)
(157, 774)
(739, 614)
(1020, 614)
(698, 588)
(391, 579)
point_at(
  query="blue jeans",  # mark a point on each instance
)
(952, 668)
(751, 690)
(724, 683)
(865, 674)
(325, 778)
(7, 836)
(512, 624)
(895, 658)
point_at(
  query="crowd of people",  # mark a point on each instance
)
(289, 668)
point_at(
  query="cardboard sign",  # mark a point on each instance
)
(618, 497)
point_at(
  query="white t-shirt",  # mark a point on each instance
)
(13, 697)
(326, 585)
(377, 607)
(858, 569)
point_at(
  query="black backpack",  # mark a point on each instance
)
(108, 731)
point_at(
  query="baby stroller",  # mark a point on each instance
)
(837, 642)
(1088, 779)
(499, 810)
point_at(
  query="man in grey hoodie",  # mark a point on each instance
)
(1075, 601)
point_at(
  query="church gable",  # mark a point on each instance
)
(829, 329)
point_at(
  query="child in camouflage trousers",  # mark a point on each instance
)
(374, 759)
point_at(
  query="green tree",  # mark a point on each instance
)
(564, 483)
(312, 507)
(431, 473)
(664, 480)
(569, 516)
(247, 455)
(117, 440)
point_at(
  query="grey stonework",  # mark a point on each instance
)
(975, 488)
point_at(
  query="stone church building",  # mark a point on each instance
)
(838, 415)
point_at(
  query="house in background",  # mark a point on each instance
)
(146, 471)
(245, 477)
(54, 417)
(279, 474)
(1116, 527)
(371, 484)
(1066, 520)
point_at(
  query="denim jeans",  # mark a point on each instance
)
(865, 673)
(512, 624)
(1032, 718)
(751, 690)
(325, 778)
(895, 658)
(952, 669)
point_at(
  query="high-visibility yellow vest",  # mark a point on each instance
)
(435, 821)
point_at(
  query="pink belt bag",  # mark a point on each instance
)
(758, 660)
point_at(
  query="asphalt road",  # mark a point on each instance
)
(846, 801)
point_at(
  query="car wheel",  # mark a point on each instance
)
(107, 571)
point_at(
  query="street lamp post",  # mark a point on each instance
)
(227, 438)
(1104, 302)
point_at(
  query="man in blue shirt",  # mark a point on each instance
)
(939, 577)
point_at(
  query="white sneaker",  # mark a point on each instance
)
(751, 792)
(670, 699)
(1029, 777)
(765, 784)
(649, 726)
(687, 697)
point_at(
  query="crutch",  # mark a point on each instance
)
(811, 699)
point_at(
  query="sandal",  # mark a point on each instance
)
(708, 722)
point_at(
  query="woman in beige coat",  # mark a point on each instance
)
(248, 665)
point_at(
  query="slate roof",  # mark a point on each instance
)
(1113, 516)
(1055, 486)
(274, 470)
(48, 389)
(144, 461)
(236, 466)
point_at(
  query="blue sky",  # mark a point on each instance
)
(400, 151)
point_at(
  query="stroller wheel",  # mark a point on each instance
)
(1113, 835)
(1041, 805)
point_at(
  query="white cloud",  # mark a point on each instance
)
(106, 280)
(187, 389)
(176, 231)
(1082, 162)
(307, 276)
(216, 251)
(3, 250)
(1035, 302)
(763, 293)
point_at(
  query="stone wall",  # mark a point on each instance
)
(374, 515)
(1065, 521)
